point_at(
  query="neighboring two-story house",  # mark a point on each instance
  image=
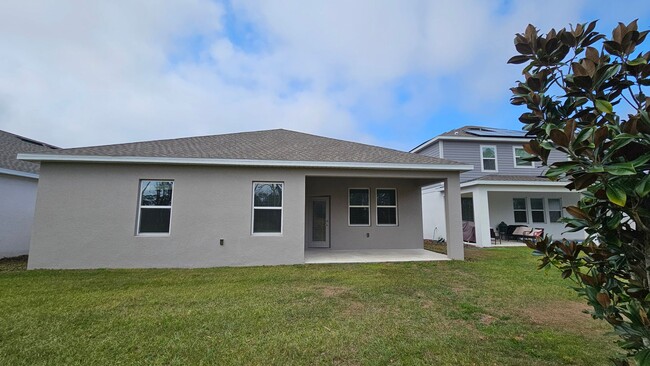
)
(502, 187)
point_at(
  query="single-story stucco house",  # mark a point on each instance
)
(251, 198)
(18, 182)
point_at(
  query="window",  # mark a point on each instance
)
(467, 208)
(519, 155)
(359, 207)
(386, 207)
(489, 158)
(267, 208)
(537, 209)
(519, 207)
(155, 206)
(554, 209)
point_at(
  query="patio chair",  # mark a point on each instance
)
(494, 236)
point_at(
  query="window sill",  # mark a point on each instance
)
(153, 235)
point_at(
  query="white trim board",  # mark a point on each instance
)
(18, 173)
(241, 162)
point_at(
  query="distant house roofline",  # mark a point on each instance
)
(471, 133)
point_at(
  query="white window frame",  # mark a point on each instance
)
(140, 207)
(496, 160)
(360, 206)
(514, 159)
(378, 206)
(253, 208)
(561, 210)
(543, 210)
(525, 210)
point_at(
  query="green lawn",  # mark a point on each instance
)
(493, 309)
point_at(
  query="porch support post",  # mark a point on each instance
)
(481, 217)
(453, 217)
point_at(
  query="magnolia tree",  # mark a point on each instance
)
(585, 95)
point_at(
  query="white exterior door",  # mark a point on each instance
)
(319, 223)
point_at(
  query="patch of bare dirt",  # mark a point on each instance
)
(487, 319)
(559, 314)
(427, 304)
(354, 308)
(331, 291)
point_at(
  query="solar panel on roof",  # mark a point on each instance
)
(495, 132)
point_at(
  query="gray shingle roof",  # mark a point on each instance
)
(280, 144)
(11, 145)
(464, 132)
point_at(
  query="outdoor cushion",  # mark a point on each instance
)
(522, 231)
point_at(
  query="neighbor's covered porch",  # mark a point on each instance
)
(537, 206)
(375, 217)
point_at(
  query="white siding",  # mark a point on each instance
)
(17, 201)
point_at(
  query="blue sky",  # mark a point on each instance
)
(391, 73)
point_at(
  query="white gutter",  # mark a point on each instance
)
(18, 173)
(549, 183)
(240, 162)
(468, 138)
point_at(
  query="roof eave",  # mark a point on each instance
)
(467, 138)
(18, 173)
(242, 162)
(478, 182)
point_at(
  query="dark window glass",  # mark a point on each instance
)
(154, 220)
(386, 197)
(554, 209)
(268, 195)
(519, 203)
(520, 155)
(538, 216)
(489, 153)
(489, 164)
(520, 216)
(386, 216)
(359, 216)
(319, 221)
(467, 209)
(536, 204)
(156, 193)
(267, 221)
(554, 216)
(359, 197)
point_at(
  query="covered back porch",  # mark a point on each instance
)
(376, 216)
(536, 206)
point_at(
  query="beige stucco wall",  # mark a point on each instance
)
(86, 217)
(17, 202)
(408, 233)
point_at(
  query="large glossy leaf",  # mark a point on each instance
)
(620, 169)
(604, 106)
(616, 195)
(576, 212)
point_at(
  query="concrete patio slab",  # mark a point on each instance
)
(313, 256)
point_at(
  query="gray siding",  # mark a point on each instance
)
(470, 152)
(432, 150)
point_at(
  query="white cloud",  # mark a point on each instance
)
(82, 73)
